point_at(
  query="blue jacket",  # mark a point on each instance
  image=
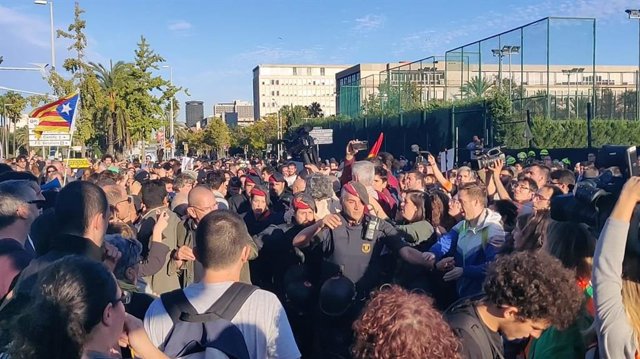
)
(473, 249)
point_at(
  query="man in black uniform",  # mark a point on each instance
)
(260, 216)
(281, 196)
(353, 241)
(277, 253)
(239, 203)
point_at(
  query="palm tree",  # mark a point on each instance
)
(315, 110)
(476, 87)
(111, 81)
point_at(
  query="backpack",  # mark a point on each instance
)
(460, 317)
(200, 335)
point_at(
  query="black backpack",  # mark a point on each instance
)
(461, 317)
(193, 334)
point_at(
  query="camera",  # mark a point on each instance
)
(486, 158)
(420, 158)
(301, 146)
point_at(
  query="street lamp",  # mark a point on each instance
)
(506, 50)
(575, 70)
(171, 138)
(53, 49)
(279, 128)
(635, 14)
(5, 130)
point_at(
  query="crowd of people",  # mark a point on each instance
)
(379, 257)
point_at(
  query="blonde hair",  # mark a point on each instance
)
(631, 302)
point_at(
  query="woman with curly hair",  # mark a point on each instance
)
(400, 324)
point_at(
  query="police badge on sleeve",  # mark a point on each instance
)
(366, 247)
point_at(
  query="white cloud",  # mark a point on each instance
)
(32, 30)
(368, 23)
(180, 25)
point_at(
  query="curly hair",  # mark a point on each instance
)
(537, 284)
(401, 324)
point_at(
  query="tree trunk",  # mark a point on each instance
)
(15, 153)
(110, 134)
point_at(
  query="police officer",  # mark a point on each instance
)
(239, 203)
(279, 269)
(281, 195)
(354, 240)
(260, 216)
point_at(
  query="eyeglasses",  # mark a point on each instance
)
(125, 298)
(38, 202)
(521, 187)
(128, 200)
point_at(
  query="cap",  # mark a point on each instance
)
(566, 161)
(531, 154)
(303, 201)
(253, 179)
(358, 190)
(511, 161)
(544, 153)
(521, 155)
(276, 177)
(259, 191)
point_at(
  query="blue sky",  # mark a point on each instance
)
(214, 45)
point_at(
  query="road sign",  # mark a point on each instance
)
(322, 136)
(79, 163)
(54, 139)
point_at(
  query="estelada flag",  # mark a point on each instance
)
(57, 116)
(376, 146)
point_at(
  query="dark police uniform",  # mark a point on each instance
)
(359, 259)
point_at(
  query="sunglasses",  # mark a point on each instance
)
(125, 298)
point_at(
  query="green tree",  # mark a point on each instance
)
(218, 136)
(315, 110)
(82, 78)
(13, 104)
(113, 110)
(293, 116)
(476, 87)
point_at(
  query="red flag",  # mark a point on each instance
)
(376, 146)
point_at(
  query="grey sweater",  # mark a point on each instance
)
(616, 339)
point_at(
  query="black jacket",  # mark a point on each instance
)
(239, 203)
(283, 202)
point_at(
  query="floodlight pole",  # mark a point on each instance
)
(635, 14)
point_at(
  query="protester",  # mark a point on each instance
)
(222, 246)
(77, 311)
(573, 245)
(475, 242)
(524, 294)
(401, 324)
(616, 281)
(219, 183)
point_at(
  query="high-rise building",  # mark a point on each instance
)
(275, 86)
(236, 113)
(195, 112)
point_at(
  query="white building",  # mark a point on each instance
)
(236, 113)
(275, 86)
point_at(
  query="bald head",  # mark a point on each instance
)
(201, 202)
(299, 185)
